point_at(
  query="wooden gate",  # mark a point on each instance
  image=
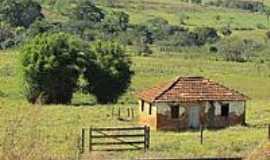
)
(115, 139)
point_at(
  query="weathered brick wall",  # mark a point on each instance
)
(236, 114)
(165, 122)
(161, 116)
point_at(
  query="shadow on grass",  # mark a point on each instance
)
(84, 104)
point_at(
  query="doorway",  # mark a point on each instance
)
(193, 117)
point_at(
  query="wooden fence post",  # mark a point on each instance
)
(148, 137)
(119, 113)
(128, 112)
(269, 131)
(112, 112)
(145, 138)
(202, 129)
(132, 113)
(79, 144)
(90, 139)
(83, 140)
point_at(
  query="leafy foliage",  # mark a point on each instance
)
(51, 65)
(254, 6)
(236, 49)
(6, 36)
(86, 10)
(110, 75)
(206, 35)
(115, 22)
(20, 12)
(43, 26)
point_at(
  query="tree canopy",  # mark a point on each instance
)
(20, 12)
(51, 65)
(111, 75)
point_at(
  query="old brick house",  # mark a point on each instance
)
(189, 102)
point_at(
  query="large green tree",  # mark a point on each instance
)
(111, 74)
(51, 66)
(20, 12)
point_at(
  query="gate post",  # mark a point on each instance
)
(146, 137)
(90, 139)
(83, 140)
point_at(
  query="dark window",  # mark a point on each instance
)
(150, 108)
(175, 112)
(225, 110)
(142, 106)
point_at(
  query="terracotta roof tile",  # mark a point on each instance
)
(188, 89)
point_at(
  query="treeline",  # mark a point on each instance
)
(250, 5)
(90, 22)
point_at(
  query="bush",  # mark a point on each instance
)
(42, 26)
(261, 26)
(206, 35)
(226, 31)
(7, 36)
(20, 13)
(185, 39)
(196, 1)
(250, 5)
(239, 50)
(86, 10)
(51, 65)
(110, 76)
(268, 34)
(115, 22)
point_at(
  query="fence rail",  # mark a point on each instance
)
(115, 138)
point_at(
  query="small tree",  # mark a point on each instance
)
(115, 22)
(236, 49)
(20, 12)
(110, 75)
(86, 10)
(267, 13)
(51, 65)
(206, 35)
(7, 36)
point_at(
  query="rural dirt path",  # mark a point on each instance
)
(262, 153)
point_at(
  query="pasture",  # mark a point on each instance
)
(34, 131)
(55, 129)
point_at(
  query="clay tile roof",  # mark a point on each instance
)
(190, 89)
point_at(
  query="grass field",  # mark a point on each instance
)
(34, 131)
(60, 125)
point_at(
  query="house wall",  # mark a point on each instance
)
(165, 121)
(161, 115)
(145, 118)
(236, 114)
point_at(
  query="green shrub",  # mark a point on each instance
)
(261, 26)
(268, 34)
(236, 49)
(20, 12)
(86, 10)
(115, 22)
(42, 26)
(206, 35)
(110, 75)
(7, 36)
(226, 31)
(196, 1)
(250, 5)
(51, 65)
